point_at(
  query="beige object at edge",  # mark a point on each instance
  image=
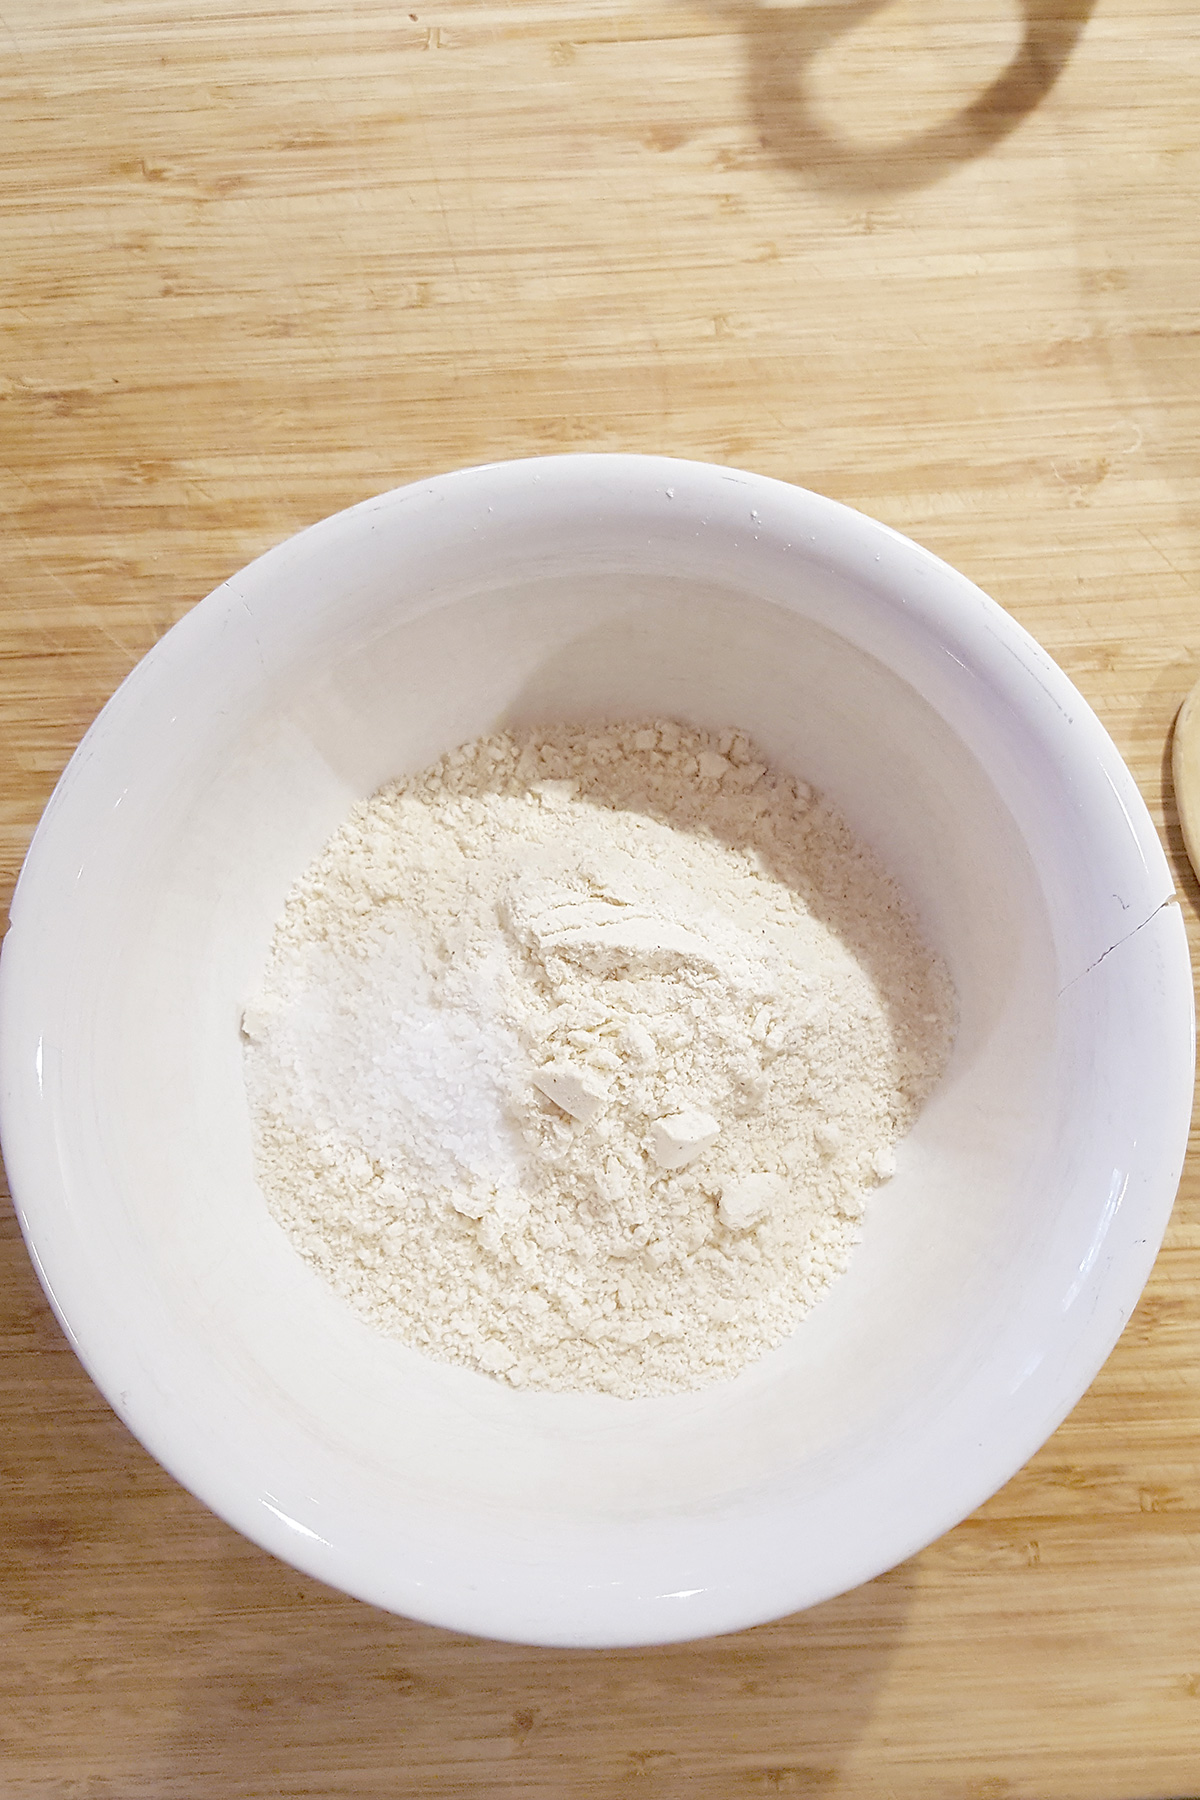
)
(1185, 774)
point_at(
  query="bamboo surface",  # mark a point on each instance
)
(936, 260)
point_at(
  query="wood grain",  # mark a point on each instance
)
(937, 260)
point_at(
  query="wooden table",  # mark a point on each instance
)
(935, 259)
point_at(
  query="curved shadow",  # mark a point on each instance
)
(783, 42)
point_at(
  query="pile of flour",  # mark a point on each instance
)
(577, 1056)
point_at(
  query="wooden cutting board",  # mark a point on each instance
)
(937, 260)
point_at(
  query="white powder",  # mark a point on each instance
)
(577, 1056)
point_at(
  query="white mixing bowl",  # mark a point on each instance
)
(996, 1271)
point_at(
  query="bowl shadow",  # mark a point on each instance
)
(324, 1682)
(231, 1672)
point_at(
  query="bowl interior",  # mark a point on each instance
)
(975, 1310)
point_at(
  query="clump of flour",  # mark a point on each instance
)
(577, 1056)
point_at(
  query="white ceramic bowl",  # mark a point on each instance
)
(993, 1279)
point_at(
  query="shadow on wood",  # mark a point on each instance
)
(289, 1683)
(233, 1676)
(783, 43)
